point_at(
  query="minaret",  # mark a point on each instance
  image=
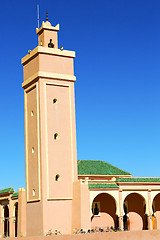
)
(50, 134)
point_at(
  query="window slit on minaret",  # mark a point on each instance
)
(57, 177)
(55, 136)
(54, 100)
(34, 192)
(50, 44)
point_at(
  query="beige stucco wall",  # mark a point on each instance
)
(21, 213)
(81, 206)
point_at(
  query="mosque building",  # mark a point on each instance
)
(61, 192)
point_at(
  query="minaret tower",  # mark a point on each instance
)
(50, 134)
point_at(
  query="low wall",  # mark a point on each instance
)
(134, 235)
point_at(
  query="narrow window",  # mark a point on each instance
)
(54, 100)
(32, 113)
(32, 149)
(34, 192)
(50, 44)
(55, 136)
(57, 177)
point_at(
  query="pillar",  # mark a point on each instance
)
(1, 221)
(21, 225)
(150, 225)
(81, 206)
(120, 210)
(11, 218)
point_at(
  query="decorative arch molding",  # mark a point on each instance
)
(113, 193)
(6, 220)
(14, 208)
(153, 195)
(143, 194)
(15, 218)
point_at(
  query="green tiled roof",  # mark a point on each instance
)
(136, 179)
(7, 190)
(14, 194)
(92, 167)
(102, 185)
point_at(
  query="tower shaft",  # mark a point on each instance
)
(50, 134)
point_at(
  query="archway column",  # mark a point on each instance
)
(156, 209)
(21, 224)
(1, 221)
(121, 225)
(11, 219)
(150, 225)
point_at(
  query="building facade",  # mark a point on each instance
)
(119, 200)
(115, 199)
(62, 193)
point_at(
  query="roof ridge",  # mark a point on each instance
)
(6, 188)
(138, 179)
(102, 185)
(90, 160)
(145, 177)
(106, 163)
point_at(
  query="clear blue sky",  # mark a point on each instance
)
(117, 44)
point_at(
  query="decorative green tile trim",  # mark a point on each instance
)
(7, 190)
(102, 185)
(92, 167)
(14, 195)
(136, 179)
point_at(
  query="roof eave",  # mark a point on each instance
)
(102, 189)
(138, 183)
(103, 175)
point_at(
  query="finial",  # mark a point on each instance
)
(46, 15)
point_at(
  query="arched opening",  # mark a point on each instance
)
(135, 217)
(104, 212)
(6, 221)
(156, 212)
(16, 218)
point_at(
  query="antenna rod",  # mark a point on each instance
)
(38, 14)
